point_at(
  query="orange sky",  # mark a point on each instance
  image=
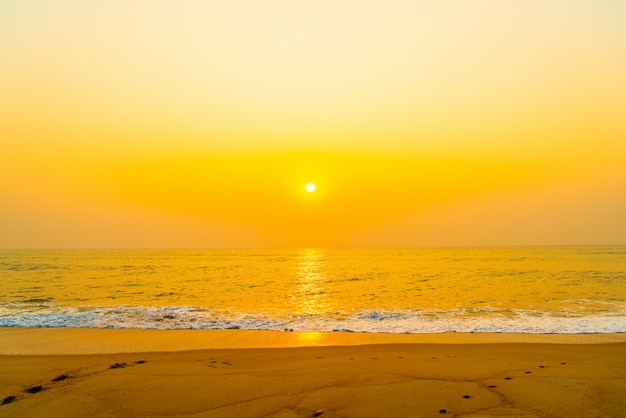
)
(198, 123)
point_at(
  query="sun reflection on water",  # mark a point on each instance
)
(311, 294)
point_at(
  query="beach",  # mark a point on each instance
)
(465, 332)
(312, 209)
(149, 373)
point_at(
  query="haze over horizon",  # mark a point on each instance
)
(154, 124)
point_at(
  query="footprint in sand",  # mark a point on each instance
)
(118, 366)
(59, 378)
(122, 365)
(34, 389)
(7, 400)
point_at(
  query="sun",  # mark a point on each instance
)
(310, 187)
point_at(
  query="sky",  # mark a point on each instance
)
(197, 124)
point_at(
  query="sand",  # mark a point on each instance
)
(338, 375)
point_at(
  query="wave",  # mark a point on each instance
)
(374, 320)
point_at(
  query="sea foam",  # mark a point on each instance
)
(384, 321)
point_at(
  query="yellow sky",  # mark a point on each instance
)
(198, 123)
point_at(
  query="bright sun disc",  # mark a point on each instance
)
(310, 187)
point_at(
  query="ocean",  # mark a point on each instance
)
(577, 289)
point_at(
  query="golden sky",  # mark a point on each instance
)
(422, 123)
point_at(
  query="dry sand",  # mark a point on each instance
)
(342, 375)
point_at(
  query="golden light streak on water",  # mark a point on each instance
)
(311, 293)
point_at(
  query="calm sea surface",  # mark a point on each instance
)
(532, 289)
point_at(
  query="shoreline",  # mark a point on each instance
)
(73, 341)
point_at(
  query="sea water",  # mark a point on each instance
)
(522, 289)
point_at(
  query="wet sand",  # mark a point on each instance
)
(337, 375)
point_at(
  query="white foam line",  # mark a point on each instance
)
(380, 321)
